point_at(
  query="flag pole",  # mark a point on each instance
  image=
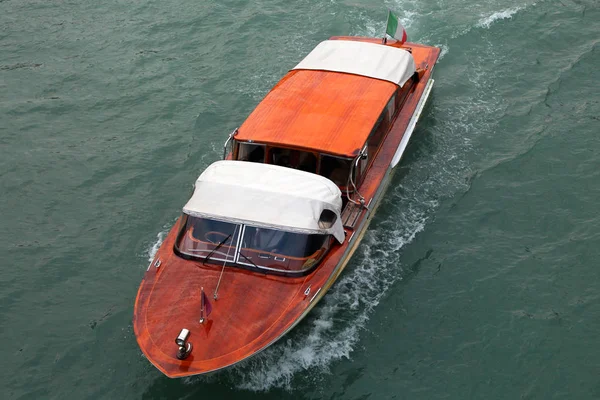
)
(202, 305)
(384, 40)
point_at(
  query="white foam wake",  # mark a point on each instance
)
(376, 27)
(485, 22)
(333, 327)
(444, 51)
(151, 251)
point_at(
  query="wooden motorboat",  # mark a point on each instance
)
(269, 229)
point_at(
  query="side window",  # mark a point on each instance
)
(402, 93)
(336, 169)
(251, 152)
(391, 105)
(381, 127)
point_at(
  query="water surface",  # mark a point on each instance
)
(477, 279)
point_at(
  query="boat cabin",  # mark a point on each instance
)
(330, 114)
(275, 205)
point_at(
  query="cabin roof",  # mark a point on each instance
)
(330, 102)
(266, 195)
(330, 112)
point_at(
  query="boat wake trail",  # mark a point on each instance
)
(505, 14)
(332, 329)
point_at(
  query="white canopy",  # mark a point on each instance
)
(361, 58)
(266, 195)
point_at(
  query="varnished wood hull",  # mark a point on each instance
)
(254, 310)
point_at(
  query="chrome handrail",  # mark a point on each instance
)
(361, 200)
(231, 135)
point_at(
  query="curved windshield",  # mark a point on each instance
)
(245, 245)
(203, 237)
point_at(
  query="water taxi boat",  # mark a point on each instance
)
(269, 229)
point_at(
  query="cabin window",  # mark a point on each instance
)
(296, 159)
(251, 152)
(383, 124)
(336, 169)
(267, 249)
(402, 93)
(381, 128)
(391, 106)
(277, 250)
(199, 237)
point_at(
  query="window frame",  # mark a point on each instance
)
(315, 154)
(236, 152)
(349, 159)
(397, 99)
(240, 230)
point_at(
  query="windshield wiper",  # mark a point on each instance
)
(215, 249)
(249, 260)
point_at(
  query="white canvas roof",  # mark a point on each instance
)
(361, 58)
(266, 195)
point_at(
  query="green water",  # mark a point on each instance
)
(478, 278)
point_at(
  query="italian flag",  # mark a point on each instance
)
(394, 28)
